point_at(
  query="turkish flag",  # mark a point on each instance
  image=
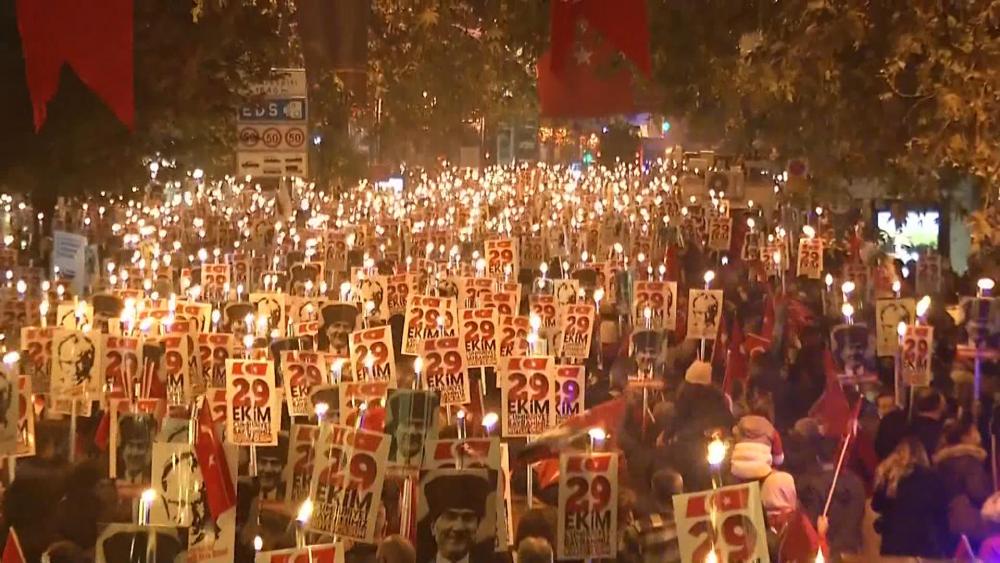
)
(219, 487)
(832, 409)
(590, 85)
(623, 23)
(12, 552)
(736, 358)
(94, 38)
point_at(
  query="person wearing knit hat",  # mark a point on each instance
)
(756, 428)
(699, 373)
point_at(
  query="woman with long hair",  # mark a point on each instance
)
(912, 504)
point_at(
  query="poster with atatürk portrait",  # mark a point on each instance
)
(76, 363)
(410, 420)
(181, 501)
(704, 313)
(133, 543)
(456, 515)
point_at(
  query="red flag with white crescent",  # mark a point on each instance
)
(219, 487)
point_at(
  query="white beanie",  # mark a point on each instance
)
(750, 460)
(699, 373)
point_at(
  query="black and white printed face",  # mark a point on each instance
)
(705, 309)
(136, 454)
(454, 533)
(76, 356)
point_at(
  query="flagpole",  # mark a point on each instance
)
(836, 473)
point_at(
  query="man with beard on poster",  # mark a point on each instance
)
(338, 323)
(456, 506)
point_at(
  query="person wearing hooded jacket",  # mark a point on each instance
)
(960, 460)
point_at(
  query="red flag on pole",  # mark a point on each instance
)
(736, 359)
(624, 24)
(94, 38)
(219, 487)
(832, 409)
(589, 85)
(12, 552)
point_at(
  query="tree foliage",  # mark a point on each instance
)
(899, 90)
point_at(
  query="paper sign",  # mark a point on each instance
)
(461, 505)
(566, 291)
(427, 318)
(354, 394)
(25, 418)
(514, 335)
(527, 395)
(720, 233)
(444, 370)
(918, 344)
(327, 553)
(474, 453)
(576, 330)
(36, 355)
(69, 256)
(810, 258)
(479, 336)
(547, 309)
(501, 258)
(372, 355)
(122, 364)
(76, 363)
(270, 306)
(214, 278)
(215, 349)
(253, 410)
(397, 291)
(888, 314)
(133, 425)
(929, 274)
(704, 313)
(348, 474)
(661, 299)
(730, 519)
(176, 369)
(588, 506)
(301, 371)
(472, 291)
(570, 383)
(411, 418)
(298, 469)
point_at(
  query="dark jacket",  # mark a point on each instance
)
(914, 521)
(891, 431)
(847, 508)
(928, 431)
(967, 485)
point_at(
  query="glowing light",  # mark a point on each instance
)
(716, 451)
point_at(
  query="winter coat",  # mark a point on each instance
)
(928, 431)
(967, 485)
(847, 508)
(914, 522)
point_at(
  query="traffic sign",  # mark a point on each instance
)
(272, 163)
(272, 130)
(271, 137)
(284, 83)
(281, 110)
